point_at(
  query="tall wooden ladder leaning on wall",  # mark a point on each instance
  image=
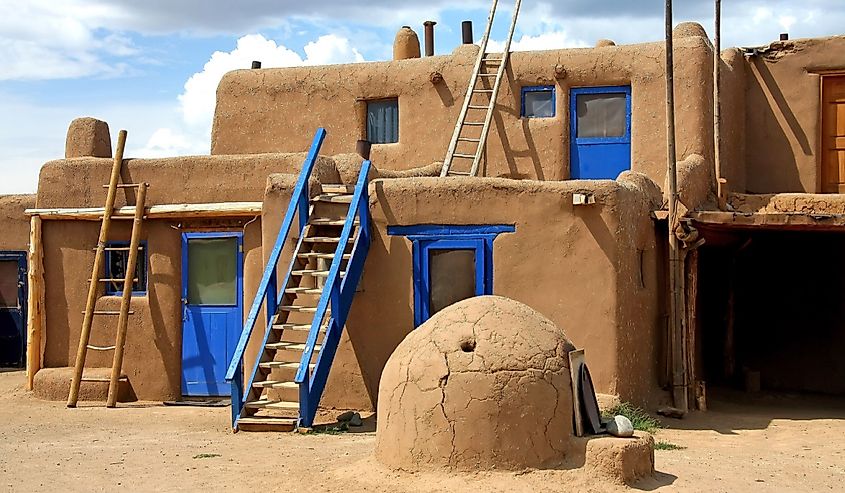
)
(97, 279)
(308, 310)
(470, 135)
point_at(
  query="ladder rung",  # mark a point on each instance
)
(472, 107)
(118, 249)
(100, 348)
(459, 173)
(474, 124)
(488, 75)
(483, 91)
(467, 139)
(114, 280)
(464, 156)
(130, 312)
(126, 185)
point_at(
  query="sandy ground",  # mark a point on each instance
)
(768, 444)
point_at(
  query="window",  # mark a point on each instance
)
(451, 263)
(602, 115)
(538, 102)
(383, 121)
(117, 258)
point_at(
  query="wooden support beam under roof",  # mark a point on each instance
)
(166, 211)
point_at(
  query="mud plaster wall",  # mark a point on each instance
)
(153, 360)
(590, 283)
(277, 110)
(14, 224)
(782, 122)
(733, 110)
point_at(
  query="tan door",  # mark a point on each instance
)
(833, 134)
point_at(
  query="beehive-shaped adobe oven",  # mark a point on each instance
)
(484, 384)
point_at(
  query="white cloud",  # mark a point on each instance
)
(197, 101)
(546, 41)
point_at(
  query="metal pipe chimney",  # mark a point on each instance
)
(466, 30)
(429, 37)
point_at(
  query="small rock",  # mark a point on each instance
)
(356, 420)
(347, 416)
(671, 412)
(621, 427)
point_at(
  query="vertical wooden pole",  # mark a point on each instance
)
(676, 305)
(128, 282)
(721, 182)
(93, 286)
(35, 302)
(691, 299)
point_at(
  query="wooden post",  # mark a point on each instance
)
(691, 299)
(676, 305)
(126, 297)
(94, 285)
(721, 182)
(35, 303)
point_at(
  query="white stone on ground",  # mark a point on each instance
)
(621, 427)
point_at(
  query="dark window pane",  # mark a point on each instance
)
(539, 104)
(383, 121)
(452, 274)
(602, 115)
(212, 271)
(9, 284)
(116, 263)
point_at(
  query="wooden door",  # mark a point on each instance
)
(833, 134)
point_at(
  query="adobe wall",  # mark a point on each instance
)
(189, 180)
(14, 224)
(153, 361)
(600, 282)
(733, 109)
(276, 110)
(782, 123)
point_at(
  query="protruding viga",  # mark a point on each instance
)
(484, 384)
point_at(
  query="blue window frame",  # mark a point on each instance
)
(538, 102)
(383, 121)
(116, 261)
(458, 250)
(600, 128)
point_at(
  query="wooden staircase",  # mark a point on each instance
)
(307, 315)
(470, 135)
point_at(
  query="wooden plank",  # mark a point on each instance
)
(576, 359)
(692, 322)
(168, 211)
(35, 303)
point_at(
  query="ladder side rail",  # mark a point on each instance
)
(300, 190)
(500, 75)
(453, 144)
(126, 297)
(309, 395)
(93, 287)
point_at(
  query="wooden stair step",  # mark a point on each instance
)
(270, 404)
(282, 364)
(275, 384)
(334, 199)
(296, 327)
(299, 309)
(311, 291)
(290, 346)
(268, 423)
(321, 255)
(338, 188)
(325, 239)
(326, 221)
(314, 273)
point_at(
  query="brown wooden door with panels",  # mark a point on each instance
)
(833, 134)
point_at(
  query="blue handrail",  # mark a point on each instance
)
(268, 287)
(339, 293)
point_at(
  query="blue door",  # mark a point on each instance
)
(12, 309)
(601, 132)
(212, 287)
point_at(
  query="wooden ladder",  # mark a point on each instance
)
(97, 279)
(287, 340)
(470, 136)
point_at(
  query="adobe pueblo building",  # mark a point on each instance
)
(284, 269)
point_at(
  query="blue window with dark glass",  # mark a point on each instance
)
(117, 259)
(383, 121)
(451, 264)
(538, 102)
(600, 132)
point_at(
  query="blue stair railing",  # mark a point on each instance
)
(339, 293)
(268, 294)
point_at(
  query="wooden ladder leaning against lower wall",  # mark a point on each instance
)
(97, 279)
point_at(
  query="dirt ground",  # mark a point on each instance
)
(769, 443)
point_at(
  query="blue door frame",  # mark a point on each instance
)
(13, 318)
(599, 158)
(209, 332)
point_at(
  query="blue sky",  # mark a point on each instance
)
(151, 67)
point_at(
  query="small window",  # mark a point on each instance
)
(538, 102)
(602, 115)
(117, 258)
(383, 121)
